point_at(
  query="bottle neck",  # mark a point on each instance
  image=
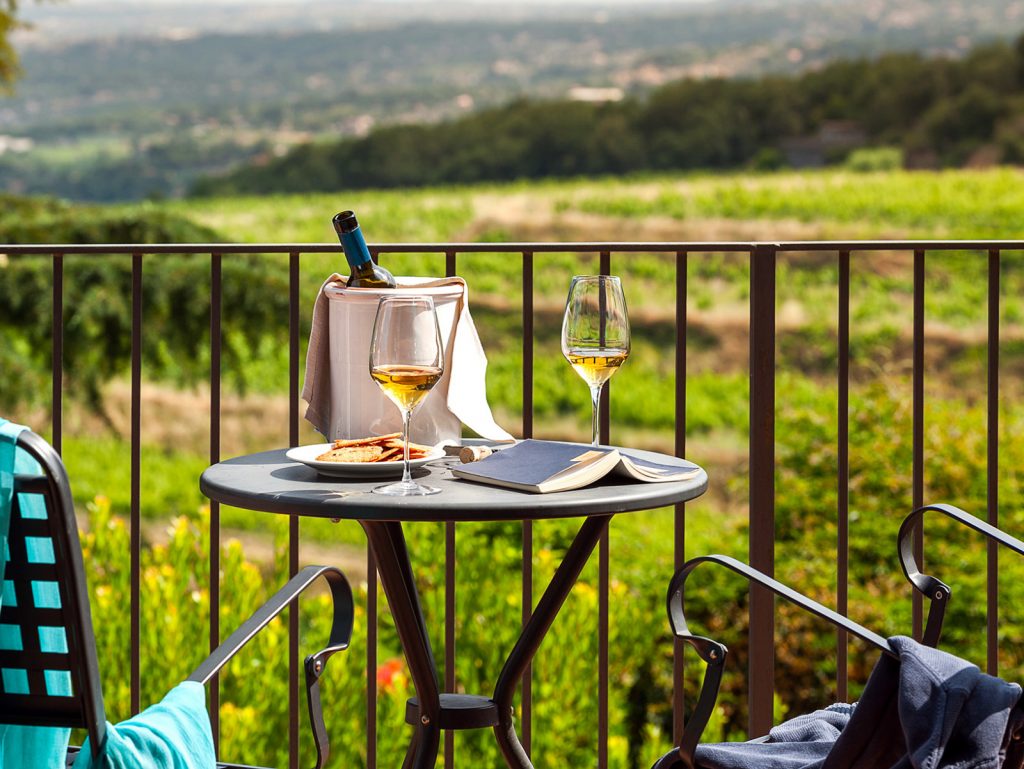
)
(356, 251)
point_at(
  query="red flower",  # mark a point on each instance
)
(390, 673)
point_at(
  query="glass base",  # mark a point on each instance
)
(405, 489)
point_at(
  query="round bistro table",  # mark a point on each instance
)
(270, 482)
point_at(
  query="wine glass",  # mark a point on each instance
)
(406, 360)
(595, 332)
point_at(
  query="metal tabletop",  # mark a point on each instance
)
(270, 482)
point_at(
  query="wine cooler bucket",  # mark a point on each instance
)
(358, 407)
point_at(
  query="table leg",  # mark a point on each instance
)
(388, 542)
(533, 633)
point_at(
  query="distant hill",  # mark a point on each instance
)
(414, 70)
(131, 116)
(911, 109)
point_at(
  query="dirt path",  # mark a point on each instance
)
(528, 216)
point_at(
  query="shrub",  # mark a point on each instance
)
(768, 159)
(869, 159)
(98, 296)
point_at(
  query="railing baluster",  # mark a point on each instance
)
(293, 348)
(371, 659)
(604, 427)
(449, 633)
(843, 481)
(293, 521)
(602, 580)
(450, 268)
(57, 354)
(917, 490)
(135, 523)
(992, 461)
(371, 635)
(527, 684)
(762, 485)
(679, 524)
(216, 342)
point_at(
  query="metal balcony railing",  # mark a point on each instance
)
(762, 369)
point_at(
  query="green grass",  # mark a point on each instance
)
(928, 204)
(924, 204)
(78, 152)
(823, 204)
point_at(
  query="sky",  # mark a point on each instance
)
(552, 3)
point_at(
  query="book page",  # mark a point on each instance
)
(646, 470)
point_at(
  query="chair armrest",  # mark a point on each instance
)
(934, 589)
(714, 653)
(341, 635)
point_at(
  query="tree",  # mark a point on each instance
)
(9, 22)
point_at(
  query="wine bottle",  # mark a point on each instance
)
(365, 274)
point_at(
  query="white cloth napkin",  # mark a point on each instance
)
(464, 357)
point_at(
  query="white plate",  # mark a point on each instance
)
(307, 455)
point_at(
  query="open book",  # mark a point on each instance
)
(544, 466)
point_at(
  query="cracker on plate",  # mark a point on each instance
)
(380, 448)
(378, 440)
(352, 454)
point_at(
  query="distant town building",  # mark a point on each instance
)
(15, 144)
(583, 93)
(834, 139)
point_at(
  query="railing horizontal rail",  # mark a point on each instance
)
(537, 248)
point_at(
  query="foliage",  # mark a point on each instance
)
(175, 598)
(939, 112)
(49, 220)
(175, 611)
(111, 170)
(8, 57)
(98, 299)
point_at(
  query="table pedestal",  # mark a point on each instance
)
(431, 711)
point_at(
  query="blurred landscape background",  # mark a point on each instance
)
(731, 120)
(125, 101)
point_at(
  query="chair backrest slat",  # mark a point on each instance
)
(59, 714)
(48, 669)
(34, 659)
(14, 615)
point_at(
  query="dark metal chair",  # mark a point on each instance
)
(714, 653)
(926, 584)
(57, 648)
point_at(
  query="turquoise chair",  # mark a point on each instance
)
(49, 676)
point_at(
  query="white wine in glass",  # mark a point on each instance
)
(406, 386)
(595, 333)
(406, 361)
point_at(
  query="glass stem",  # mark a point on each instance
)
(595, 397)
(406, 472)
